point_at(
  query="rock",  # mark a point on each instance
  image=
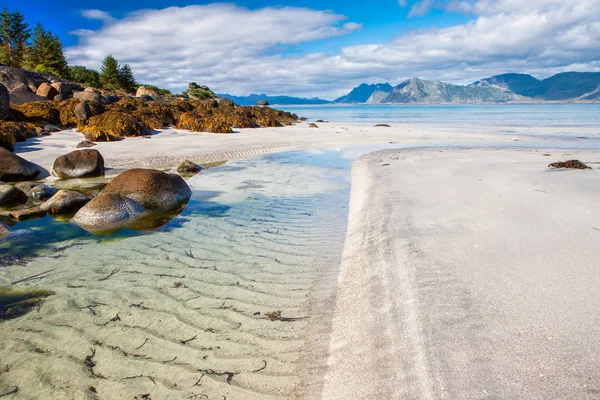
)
(223, 102)
(85, 144)
(10, 196)
(146, 91)
(90, 89)
(47, 90)
(41, 192)
(111, 126)
(108, 213)
(83, 111)
(145, 97)
(66, 89)
(24, 215)
(51, 128)
(89, 96)
(382, 126)
(188, 167)
(65, 202)
(262, 103)
(319, 120)
(14, 168)
(111, 99)
(79, 164)
(153, 189)
(313, 125)
(572, 164)
(4, 230)
(21, 87)
(59, 97)
(4, 103)
(19, 97)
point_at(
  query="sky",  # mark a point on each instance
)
(323, 48)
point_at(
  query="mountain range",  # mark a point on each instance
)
(567, 86)
(280, 100)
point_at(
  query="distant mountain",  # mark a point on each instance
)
(366, 94)
(419, 91)
(282, 100)
(568, 86)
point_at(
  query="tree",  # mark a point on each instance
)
(109, 72)
(46, 53)
(85, 76)
(126, 79)
(14, 34)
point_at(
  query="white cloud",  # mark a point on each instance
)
(233, 49)
(98, 14)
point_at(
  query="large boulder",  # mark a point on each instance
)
(47, 90)
(65, 202)
(155, 190)
(189, 167)
(83, 111)
(18, 97)
(10, 196)
(79, 164)
(89, 96)
(4, 103)
(146, 91)
(66, 89)
(108, 212)
(14, 168)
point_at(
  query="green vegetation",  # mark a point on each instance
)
(161, 92)
(200, 94)
(114, 76)
(14, 34)
(85, 76)
(46, 54)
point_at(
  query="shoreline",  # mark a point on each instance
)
(448, 275)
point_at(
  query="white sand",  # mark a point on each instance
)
(468, 274)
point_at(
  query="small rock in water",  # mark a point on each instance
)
(319, 120)
(313, 125)
(382, 126)
(188, 167)
(30, 213)
(65, 202)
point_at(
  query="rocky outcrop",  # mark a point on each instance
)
(111, 126)
(155, 190)
(4, 103)
(79, 164)
(14, 168)
(65, 202)
(47, 90)
(10, 196)
(108, 213)
(262, 103)
(89, 96)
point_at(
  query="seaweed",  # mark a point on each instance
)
(571, 164)
(15, 303)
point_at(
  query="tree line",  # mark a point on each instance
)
(41, 51)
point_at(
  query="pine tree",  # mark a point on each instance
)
(126, 79)
(14, 34)
(46, 53)
(109, 72)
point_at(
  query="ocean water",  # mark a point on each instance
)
(516, 115)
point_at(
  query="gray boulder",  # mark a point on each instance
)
(79, 164)
(108, 213)
(262, 103)
(21, 97)
(65, 202)
(111, 99)
(4, 103)
(146, 91)
(223, 102)
(51, 128)
(85, 144)
(83, 111)
(10, 196)
(66, 89)
(36, 191)
(59, 98)
(14, 168)
(89, 96)
(153, 189)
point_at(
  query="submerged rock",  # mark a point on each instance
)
(65, 202)
(30, 213)
(155, 190)
(108, 213)
(85, 144)
(10, 196)
(79, 164)
(14, 168)
(14, 303)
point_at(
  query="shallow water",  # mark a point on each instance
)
(181, 311)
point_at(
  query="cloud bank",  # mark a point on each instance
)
(236, 50)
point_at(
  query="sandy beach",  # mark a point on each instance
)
(461, 274)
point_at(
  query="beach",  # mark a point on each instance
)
(456, 266)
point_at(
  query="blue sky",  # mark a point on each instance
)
(324, 48)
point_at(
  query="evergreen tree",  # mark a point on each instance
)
(109, 72)
(126, 79)
(14, 34)
(46, 53)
